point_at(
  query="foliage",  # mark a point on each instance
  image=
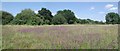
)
(6, 17)
(27, 16)
(46, 14)
(0, 17)
(88, 21)
(59, 19)
(112, 18)
(69, 16)
(47, 22)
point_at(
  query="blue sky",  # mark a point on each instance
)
(83, 10)
(60, 0)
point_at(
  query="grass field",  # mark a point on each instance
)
(60, 37)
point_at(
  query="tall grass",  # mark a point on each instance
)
(60, 37)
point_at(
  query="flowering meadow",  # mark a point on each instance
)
(60, 37)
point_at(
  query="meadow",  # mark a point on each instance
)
(60, 37)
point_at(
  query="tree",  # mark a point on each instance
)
(69, 16)
(59, 19)
(119, 20)
(6, 17)
(90, 21)
(47, 22)
(27, 16)
(35, 21)
(112, 18)
(46, 14)
(0, 17)
(84, 21)
(78, 20)
(24, 16)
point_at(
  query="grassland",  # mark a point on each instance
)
(60, 37)
(0, 37)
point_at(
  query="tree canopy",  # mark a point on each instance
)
(59, 19)
(69, 16)
(27, 16)
(44, 16)
(6, 17)
(112, 18)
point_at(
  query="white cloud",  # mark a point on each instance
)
(77, 16)
(108, 6)
(92, 8)
(113, 8)
(53, 14)
(36, 11)
(101, 12)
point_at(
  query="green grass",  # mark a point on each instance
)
(0, 37)
(60, 37)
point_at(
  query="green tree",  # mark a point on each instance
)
(84, 21)
(0, 17)
(112, 18)
(24, 16)
(6, 17)
(47, 22)
(78, 21)
(119, 19)
(46, 14)
(27, 16)
(90, 21)
(69, 16)
(59, 19)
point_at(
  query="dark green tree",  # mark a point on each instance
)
(46, 14)
(119, 20)
(84, 21)
(0, 17)
(112, 18)
(6, 17)
(69, 16)
(59, 19)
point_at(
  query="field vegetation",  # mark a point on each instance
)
(42, 30)
(60, 37)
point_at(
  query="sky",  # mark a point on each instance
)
(83, 10)
(60, 0)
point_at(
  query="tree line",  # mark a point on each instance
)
(44, 16)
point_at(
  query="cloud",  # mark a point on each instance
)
(113, 8)
(108, 6)
(77, 16)
(92, 8)
(101, 12)
(53, 14)
(36, 11)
